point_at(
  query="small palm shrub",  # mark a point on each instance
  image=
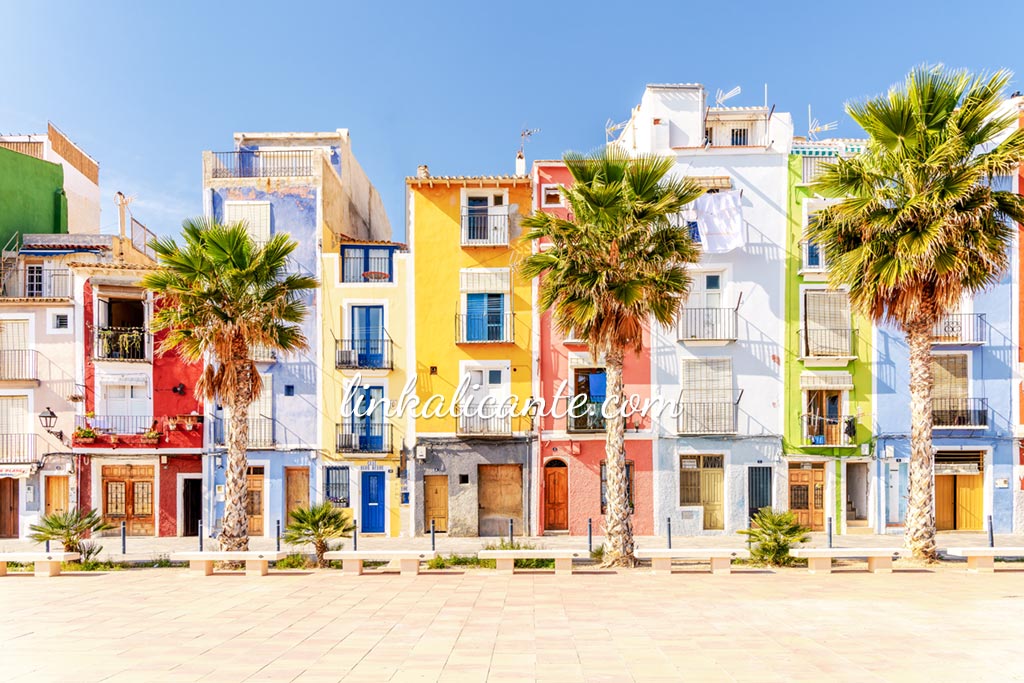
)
(318, 525)
(773, 534)
(69, 529)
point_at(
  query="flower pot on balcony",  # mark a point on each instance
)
(114, 438)
(85, 440)
(150, 441)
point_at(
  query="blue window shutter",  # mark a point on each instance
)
(495, 317)
(476, 317)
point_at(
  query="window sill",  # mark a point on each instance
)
(827, 361)
(813, 275)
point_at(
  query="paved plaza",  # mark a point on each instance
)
(166, 625)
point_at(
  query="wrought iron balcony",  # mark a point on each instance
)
(261, 432)
(827, 343)
(483, 328)
(584, 413)
(707, 324)
(484, 228)
(959, 328)
(18, 365)
(119, 425)
(717, 417)
(18, 449)
(29, 281)
(484, 425)
(359, 267)
(122, 343)
(361, 436)
(372, 354)
(819, 430)
(263, 163)
(960, 413)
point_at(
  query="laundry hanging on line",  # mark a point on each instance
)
(720, 221)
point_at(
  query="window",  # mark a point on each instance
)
(255, 215)
(706, 397)
(825, 423)
(60, 321)
(367, 264)
(463, 479)
(487, 389)
(485, 317)
(485, 220)
(336, 485)
(813, 257)
(289, 389)
(702, 483)
(604, 485)
(34, 280)
(949, 373)
(551, 195)
(826, 325)
(739, 137)
(587, 417)
(485, 313)
(952, 405)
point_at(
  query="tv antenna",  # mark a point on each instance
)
(814, 126)
(722, 97)
(525, 135)
(610, 127)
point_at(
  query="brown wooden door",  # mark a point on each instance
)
(556, 496)
(56, 494)
(500, 497)
(8, 507)
(435, 502)
(807, 495)
(969, 501)
(945, 502)
(128, 496)
(254, 505)
(296, 488)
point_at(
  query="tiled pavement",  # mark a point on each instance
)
(164, 625)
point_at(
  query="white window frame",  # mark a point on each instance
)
(51, 317)
(543, 194)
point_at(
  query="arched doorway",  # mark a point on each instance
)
(556, 496)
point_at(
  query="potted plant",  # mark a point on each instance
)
(84, 435)
(190, 422)
(172, 422)
(114, 438)
(151, 437)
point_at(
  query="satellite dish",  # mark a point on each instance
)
(721, 97)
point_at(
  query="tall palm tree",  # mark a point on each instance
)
(218, 296)
(620, 259)
(919, 225)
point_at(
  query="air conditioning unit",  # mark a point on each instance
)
(421, 452)
(348, 442)
(347, 358)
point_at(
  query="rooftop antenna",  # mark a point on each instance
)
(610, 127)
(814, 126)
(525, 135)
(721, 97)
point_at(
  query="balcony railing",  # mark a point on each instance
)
(707, 324)
(717, 417)
(483, 328)
(264, 163)
(813, 167)
(120, 425)
(959, 328)
(374, 354)
(28, 281)
(355, 267)
(360, 436)
(484, 229)
(827, 343)
(812, 258)
(484, 425)
(584, 414)
(261, 432)
(18, 364)
(122, 343)
(18, 449)
(959, 413)
(263, 354)
(820, 430)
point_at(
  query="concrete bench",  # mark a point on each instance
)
(720, 558)
(46, 564)
(819, 560)
(257, 562)
(982, 559)
(408, 560)
(505, 560)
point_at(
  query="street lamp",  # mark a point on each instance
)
(48, 419)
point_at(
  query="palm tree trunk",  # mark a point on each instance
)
(919, 531)
(235, 529)
(618, 550)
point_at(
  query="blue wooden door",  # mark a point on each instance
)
(372, 494)
(368, 335)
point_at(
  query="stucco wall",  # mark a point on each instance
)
(168, 482)
(32, 196)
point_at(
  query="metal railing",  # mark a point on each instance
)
(142, 239)
(121, 425)
(820, 430)
(715, 417)
(18, 449)
(812, 257)
(959, 328)
(122, 343)
(955, 413)
(359, 268)
(18, 364)
(827, 343)
(262, 354)
(28, 281)
(484, 229)
(363, 353)
(264, 163)
(707, 324)
(483, 328)
(484, 425)
(585, 415)
(261, 432)
(361, 436)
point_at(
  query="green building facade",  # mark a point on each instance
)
(32, 198)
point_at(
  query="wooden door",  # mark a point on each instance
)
(8, 507)
(128, 497)
(296, 489)
(435, 502)
(556, 496)
(712, 494)
(945, 502)
(254, 504)
(807, 495)
(56, 494)
(500, 497)
(969, 501)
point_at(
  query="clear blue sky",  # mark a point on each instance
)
(144, 87)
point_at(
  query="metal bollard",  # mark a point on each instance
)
(200, 535)
(829, 532)
(433, 539)
(510, 541)
(47, 546)
(991, 534)
(669, 520)
(278, 535)
(355, 534)
(124, 538)
(590, 534)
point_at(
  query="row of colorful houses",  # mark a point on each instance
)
(782, 395)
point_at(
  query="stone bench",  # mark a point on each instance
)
(819, 560)
(408, 560)
(720, 558)
(505, 560)
(982, 559)
(46, 564)
(257, 562)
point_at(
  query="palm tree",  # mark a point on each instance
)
(919, 224)
(318, 524)
(68, 528)
(620, 259)
(218, 296)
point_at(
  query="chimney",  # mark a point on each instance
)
(422, 171)
(520, 163)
